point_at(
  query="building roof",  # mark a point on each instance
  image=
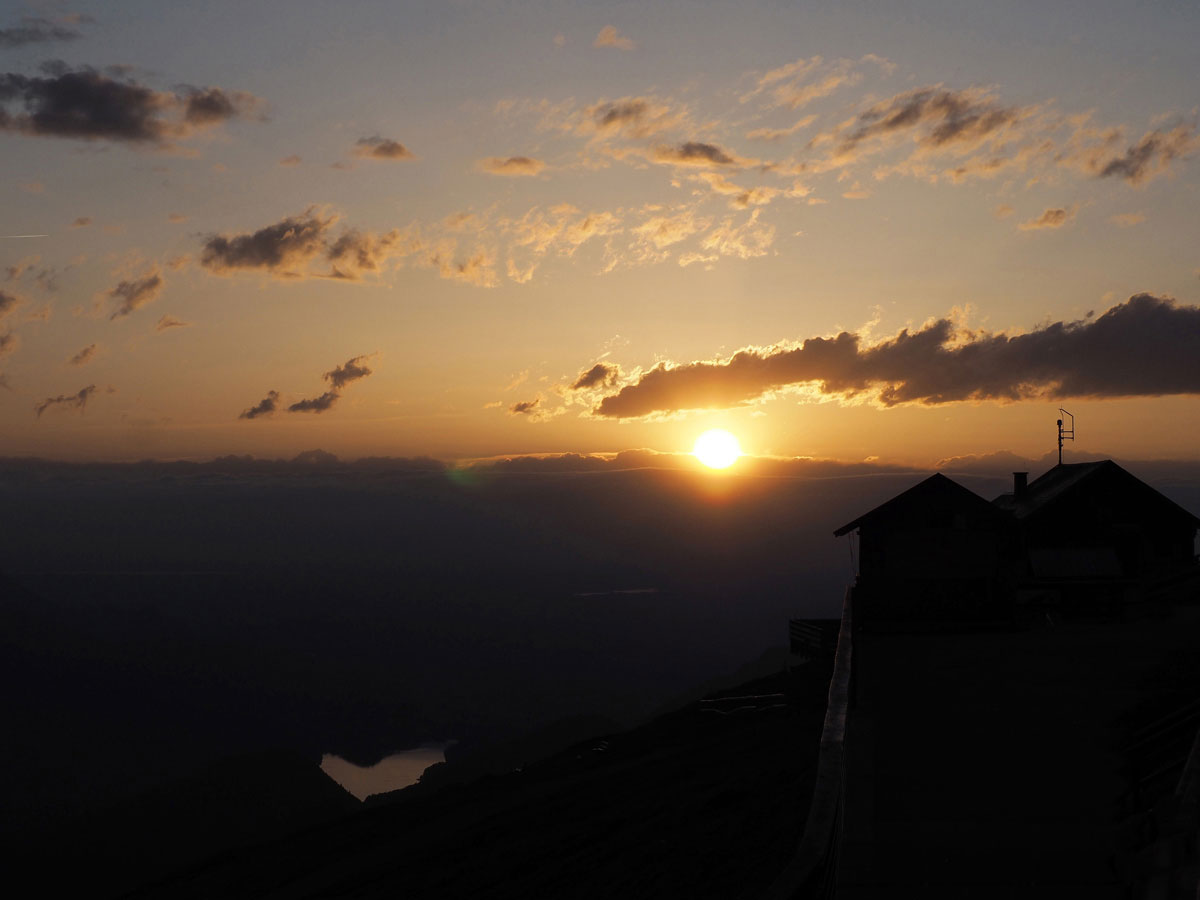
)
(1040, 494)
(1043, 491)
(935, 488)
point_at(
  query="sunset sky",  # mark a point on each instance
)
(469, 229)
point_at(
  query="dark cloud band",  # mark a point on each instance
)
(36, 30)
(1143, 347)
(89, 105)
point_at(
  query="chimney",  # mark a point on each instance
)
(1020, 484)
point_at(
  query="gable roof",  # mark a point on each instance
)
(1043, 491)
(936, 487)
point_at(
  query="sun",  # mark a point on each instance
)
(717, 449)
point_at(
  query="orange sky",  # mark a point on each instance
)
(474, 230)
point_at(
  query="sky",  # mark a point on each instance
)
(854, 231)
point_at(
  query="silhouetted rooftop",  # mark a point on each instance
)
(936, 486)
(1044, 490)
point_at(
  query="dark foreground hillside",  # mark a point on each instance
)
(707, 801)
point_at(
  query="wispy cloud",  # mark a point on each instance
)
(609, 36)
(599, 375)
(694, 153)
(775, 134)
(84, 356)
(525, 407)
(133, 293)
(378, 147)
(77, 401)
(1126, 220)
(171, 322)
(628, 117)
(38, 30)
(1051, 218)
(511, 166)
(1152, 155)
(8, 300)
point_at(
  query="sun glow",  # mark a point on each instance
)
(717, 449)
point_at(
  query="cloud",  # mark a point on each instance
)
(1139, 163)
(82, 222)
(687, 259)
(745, 241)
(774, 134)
(284, 249)
(134, 293)
(630, 117)
(1125, 220)
(664, 230)
(1050, 218)
(211, 105)
(960, 134)
(477, 269)
(316, 404)
(263, 407)
(338, 377)
(356, 252)
(67, 401)
(944, 117)
(88, 105)
(512, 166)
(176, 218)
(610, 37)
(84, 356)
(378, 147)
(524, 407)
(799, 83)
(1143, 347)
(9, 301)
(1003, 211)
(292, 160)
(599, 375)
(694, 153)
(289, 248)
(9, 343)
(36, 30)
(171, 322)
(46, 278)
(351, 370)
(562, 229)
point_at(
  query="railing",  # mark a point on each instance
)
(812, 871)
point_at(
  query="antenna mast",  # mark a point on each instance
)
(1064, 433)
